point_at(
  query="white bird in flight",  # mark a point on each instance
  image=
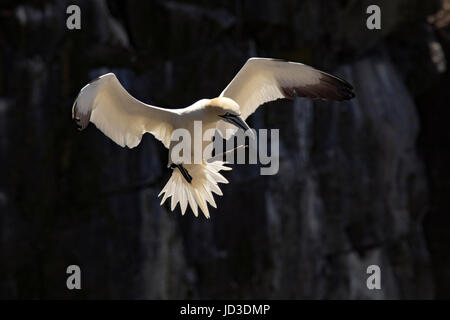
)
(124, 119)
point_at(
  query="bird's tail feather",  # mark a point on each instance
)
(198, 193)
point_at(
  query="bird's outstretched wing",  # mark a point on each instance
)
(120, 116)
(262, 80)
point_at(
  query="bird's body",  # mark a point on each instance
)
(125, 119)
(205, 111)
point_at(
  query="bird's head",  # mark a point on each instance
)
(228, 110)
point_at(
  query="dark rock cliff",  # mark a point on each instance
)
(356, 182)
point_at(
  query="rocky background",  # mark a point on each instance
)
(361, 182)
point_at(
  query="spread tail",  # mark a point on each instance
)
(199, 192)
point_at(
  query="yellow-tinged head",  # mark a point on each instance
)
(228, 110)
(222, 105)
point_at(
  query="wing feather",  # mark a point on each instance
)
(121, 117)
(261, 80)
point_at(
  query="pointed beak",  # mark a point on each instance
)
(238, 122)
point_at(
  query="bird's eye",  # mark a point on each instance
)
(227, 115)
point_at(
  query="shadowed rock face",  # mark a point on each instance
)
(356, 178)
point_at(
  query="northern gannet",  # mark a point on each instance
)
(124, 119)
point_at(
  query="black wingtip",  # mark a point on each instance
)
(328, 87)
(340, 88)
(346, 92)
(81, 120)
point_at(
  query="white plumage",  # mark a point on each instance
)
(125, 119)
(197, 193)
